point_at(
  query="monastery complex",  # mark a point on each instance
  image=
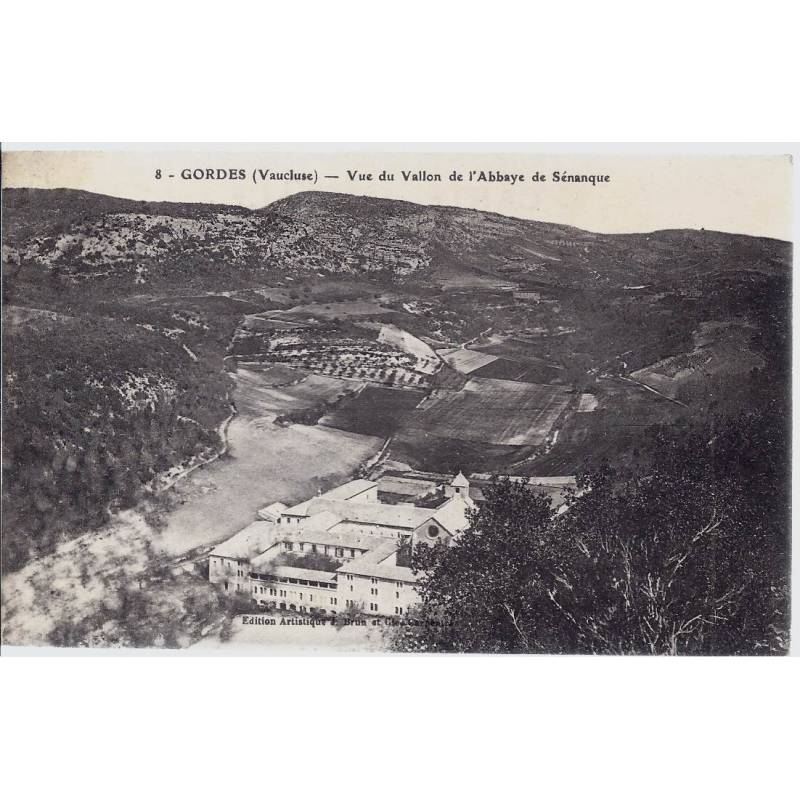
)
(343, 549)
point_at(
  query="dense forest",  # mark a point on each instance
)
(93, 411)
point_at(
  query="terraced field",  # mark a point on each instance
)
(721, 351)
(493, 411)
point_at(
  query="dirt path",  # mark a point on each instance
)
(651, 389)
(222, 431)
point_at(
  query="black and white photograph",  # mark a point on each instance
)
(371, 403)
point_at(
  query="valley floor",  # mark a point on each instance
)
(265, 462)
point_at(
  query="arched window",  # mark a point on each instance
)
(433, 531)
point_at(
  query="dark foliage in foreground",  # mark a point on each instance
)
(690, 558)
(92, 411)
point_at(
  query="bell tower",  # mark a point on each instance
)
(458, 486)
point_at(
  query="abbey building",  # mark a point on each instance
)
(343, 549)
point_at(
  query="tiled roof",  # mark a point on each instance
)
(400, 516)
(300, 509)
(350, 489)
(452, 516)
(360, 541)
(379, 563)
(322, 521)
(460, 480)
(248, 542)
(272, 510)
(344, 493)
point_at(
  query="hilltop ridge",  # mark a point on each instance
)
(89, 237)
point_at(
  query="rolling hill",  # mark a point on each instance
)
(128, 311)
(81, 237)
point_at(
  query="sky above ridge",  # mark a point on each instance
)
(740, 194)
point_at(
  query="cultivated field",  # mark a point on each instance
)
(275, 375)
(391, 356)
(588, 402)
(423, 450)
(266, 397)
(614, 430)
(721, 351)
(465, 360)
(516, 359)
(267, 321)
(375, 411)
(533, 371)
(494, 411)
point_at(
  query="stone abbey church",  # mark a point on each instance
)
(337, 551)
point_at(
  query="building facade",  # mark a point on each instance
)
(337, 551)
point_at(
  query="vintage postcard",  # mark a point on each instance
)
(271, 401)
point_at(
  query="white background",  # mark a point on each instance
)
(398, 726)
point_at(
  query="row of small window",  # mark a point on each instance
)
(333, 601)
(239, 572)
(262, 576)
(272, 592)
(339, 551)
(282, 593)
(375, 582)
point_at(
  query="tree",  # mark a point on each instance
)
(483, 590)
(691, 555)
